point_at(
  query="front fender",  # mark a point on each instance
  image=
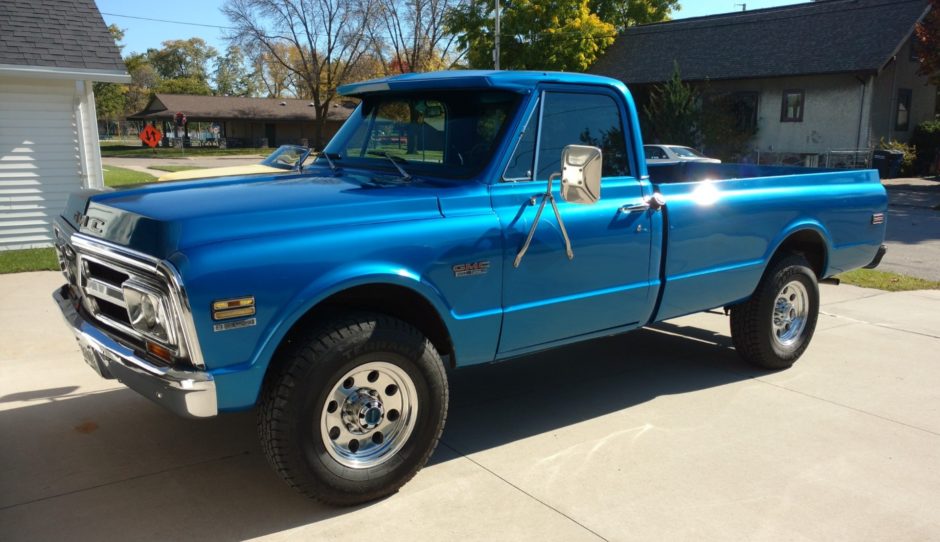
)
(242, 383)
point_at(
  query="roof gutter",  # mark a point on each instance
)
(73, 74)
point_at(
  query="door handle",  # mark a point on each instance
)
(627, 209)
(654, 202)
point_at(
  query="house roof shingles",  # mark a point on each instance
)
(57, 34)
(835, 36)
(165, 107)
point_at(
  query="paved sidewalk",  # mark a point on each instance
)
(659, 434)
(143, 164)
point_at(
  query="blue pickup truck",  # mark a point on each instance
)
(456, 218)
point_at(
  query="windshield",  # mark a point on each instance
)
(686, 152)
(442, 134)
(286, 157)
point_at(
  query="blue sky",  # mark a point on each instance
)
(142, 35)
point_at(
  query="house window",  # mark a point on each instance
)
(915, 50)
(744, 107)
(902, 119)
(792, 108)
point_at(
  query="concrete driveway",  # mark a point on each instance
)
(659, 434)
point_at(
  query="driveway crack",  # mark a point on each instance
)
(524, 492)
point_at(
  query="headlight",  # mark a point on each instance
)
(147, 310)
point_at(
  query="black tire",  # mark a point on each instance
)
(753, 322)
(294, 399)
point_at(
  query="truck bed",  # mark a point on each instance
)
(723, 223)
(680, 172)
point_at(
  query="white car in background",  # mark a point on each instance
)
(675, 153)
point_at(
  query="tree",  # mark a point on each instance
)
(182, 58)
(272, 77)
(231, 77)
(184, 85)
(411, 35)
(673, 111)
(626, 13)
(144, 79)
(535, 34)
(927, 35)
(110, 98)
(321, 42)
(727, 124)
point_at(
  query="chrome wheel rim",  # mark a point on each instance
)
(791, 307)
(368, 415)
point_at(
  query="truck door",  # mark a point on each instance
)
(606, 287)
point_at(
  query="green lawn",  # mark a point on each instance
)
(118, 176)
(173, 169)
(30, 259)
(882, 280)
(123, 151)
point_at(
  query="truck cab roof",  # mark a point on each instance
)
(518, 81)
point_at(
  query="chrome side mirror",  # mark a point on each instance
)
(581, 168)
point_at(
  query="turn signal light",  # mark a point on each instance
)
(226, 309)
(159, 351)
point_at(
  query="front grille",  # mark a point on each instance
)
(97, 272)
(105, 273)
(102, 292)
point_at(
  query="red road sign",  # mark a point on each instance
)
(150, 136)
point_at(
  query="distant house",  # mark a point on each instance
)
(51, 51)
(245, 122)
(812, 78)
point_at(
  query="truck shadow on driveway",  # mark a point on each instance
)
(111, 465)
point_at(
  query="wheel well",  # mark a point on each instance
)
(808, 243)
(396, 301)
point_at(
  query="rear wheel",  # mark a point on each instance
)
(356, 410)
(774, 327)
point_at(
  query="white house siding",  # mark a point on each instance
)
(901, 73)
(832, 106)
(40, 156)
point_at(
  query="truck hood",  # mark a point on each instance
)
(160, 219)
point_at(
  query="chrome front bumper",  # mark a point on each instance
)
(187, 393)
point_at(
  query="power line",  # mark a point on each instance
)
(387, 36)
(169, 21)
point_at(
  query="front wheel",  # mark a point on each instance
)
(774, 327)
(356, 409)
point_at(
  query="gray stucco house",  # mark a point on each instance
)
(813, 78)
(51, 53)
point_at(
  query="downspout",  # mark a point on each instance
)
(861, 113)
(89, 151)
(892, 107)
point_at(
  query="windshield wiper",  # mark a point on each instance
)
(394, 160)
(329, 160)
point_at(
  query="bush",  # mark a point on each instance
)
(910, 155)
(926, 138)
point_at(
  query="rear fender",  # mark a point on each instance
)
(804, 224)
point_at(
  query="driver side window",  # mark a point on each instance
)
(581, 119)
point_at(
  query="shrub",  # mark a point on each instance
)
(910, 155)
(926, 138)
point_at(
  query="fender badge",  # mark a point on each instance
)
(470, 269)
(238, 324)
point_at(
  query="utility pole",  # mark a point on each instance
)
(496, 39)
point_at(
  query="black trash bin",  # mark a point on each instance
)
(887, 162)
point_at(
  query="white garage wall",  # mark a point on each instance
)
(40, 161)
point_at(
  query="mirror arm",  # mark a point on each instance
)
(548, 196)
